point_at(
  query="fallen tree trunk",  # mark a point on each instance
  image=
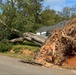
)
(37, 39)
(34, 38)
(59, 46)
(20, 39)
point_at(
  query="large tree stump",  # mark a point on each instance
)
(59, 46)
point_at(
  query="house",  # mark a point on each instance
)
(44, 31)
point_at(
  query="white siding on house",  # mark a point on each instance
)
(41, 33)
(38, 33)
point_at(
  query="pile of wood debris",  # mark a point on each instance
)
(59, 46)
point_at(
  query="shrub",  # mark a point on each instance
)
(5, 46)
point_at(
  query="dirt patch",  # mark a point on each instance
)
(25, 52)
(70, 62)
(12, 51)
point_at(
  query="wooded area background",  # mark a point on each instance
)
(28, 16)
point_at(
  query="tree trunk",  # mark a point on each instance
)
(37, 39)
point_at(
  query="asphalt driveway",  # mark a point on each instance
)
(13, 66)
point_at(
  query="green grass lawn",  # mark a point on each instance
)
(18, 48)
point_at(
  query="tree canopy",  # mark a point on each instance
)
(28, 16)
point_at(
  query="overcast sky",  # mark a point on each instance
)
(59, 4)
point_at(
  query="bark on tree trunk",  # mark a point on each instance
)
(30, 37)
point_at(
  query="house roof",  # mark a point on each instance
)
(50, 28)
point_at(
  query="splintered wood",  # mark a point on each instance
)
(59, 46)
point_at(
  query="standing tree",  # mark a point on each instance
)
(50, 17)
(22, 15)
(67, 12)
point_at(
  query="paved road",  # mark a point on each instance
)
(12, 66)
